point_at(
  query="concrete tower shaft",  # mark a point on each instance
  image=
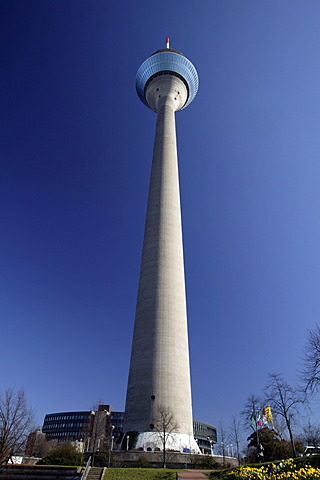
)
(166, 89)
(159, 374)
(159, 370)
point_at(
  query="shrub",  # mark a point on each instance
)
(143, 462)
(65, 454)
(101, 458)
(312, 460)
(204, 461)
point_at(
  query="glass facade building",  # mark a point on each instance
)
(76, 426)
(205, 435)
(67, 426)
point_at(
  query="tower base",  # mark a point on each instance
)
(177, 442)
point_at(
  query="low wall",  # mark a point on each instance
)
(173, 460)
(38, 472)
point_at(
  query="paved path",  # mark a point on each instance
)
(192, 475)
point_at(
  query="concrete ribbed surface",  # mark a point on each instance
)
(159, 374)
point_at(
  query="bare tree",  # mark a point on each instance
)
(222, 435)
(252, 407)
(311, 434)
(37, 445)
(284, 401)
(16, 422)
(250, 415)
(100, 430)
(235, 433)
(310, 374)
(165, 425)
(279, 425)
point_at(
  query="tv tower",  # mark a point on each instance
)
(159, 375)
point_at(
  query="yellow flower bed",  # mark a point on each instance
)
(283, 470)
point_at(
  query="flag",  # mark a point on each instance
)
(261, 418)
(259, 421)
(253, 421)
(264, 417)
(268, 413)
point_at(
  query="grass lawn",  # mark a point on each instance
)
(140, 474)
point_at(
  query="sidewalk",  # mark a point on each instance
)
(192, 475)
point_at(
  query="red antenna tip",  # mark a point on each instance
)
(168, 42)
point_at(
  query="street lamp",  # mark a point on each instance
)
(211, 450)
(128, 442)
(110, 445)
(228, 450)
(223, 454)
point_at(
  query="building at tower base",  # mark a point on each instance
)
(175, 442)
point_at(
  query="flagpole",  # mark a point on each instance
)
(258, 438)
(255, 425)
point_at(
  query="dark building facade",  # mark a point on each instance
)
(67, 426)
(95, 429)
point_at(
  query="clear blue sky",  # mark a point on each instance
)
(76, 146)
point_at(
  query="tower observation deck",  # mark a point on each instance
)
(159, 374)
(167, 62)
